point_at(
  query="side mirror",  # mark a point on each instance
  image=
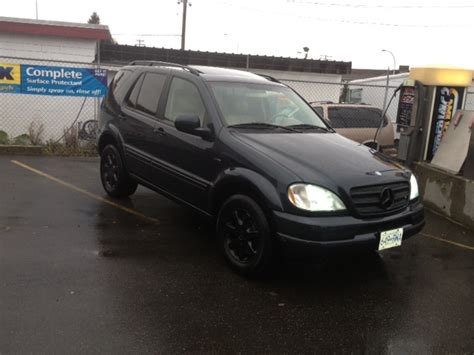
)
(191, 124)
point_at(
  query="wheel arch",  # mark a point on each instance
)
(246, 182)
(110, 136)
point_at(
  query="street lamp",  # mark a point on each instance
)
(393, 57)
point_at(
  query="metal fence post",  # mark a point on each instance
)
(386, 90)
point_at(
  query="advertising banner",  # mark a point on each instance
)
(53, 81)
(447, 101)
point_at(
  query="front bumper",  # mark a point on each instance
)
(339, 232)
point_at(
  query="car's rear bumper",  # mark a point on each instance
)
(340, 232)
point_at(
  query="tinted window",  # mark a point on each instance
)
(336, 119)
(117, 90)
(319, 111)
(355, 117)
(150, 93)
(184, 99)
(132, 98)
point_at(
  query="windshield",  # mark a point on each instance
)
(243, 103)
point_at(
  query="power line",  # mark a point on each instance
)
(378, 6)
(351, 22)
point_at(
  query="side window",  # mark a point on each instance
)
(132, 98)
(335, 118)
(150, 93)
(184, 99)
(319, 111)
(117, 90)
(359, 117)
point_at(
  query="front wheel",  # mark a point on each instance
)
(115, 179)
(244, 235)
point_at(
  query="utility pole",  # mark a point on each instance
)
(183, 28)
(36, 3)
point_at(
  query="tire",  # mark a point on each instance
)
(115, 179)
(245, 236)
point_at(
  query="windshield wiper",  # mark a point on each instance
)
(310, 126)
(263, 125)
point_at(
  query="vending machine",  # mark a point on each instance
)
(409, 121)
(427, 103)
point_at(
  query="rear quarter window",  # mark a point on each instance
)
(117, 88)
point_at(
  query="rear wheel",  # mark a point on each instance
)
(115, 179)
(244, 235)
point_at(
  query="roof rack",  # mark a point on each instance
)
(270, 78)
(155, 63)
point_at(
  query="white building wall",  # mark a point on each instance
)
(374, 92)
(55, 113)
(48, 48)
(312, 86)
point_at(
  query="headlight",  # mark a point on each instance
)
(314, 198)
(414, 193)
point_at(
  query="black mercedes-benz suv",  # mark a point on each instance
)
(250, 153)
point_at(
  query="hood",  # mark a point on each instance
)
(325, 159)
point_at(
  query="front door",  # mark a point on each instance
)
(185, 164)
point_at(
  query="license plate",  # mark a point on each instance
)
(391, 238)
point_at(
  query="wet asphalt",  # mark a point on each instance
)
(78, 275)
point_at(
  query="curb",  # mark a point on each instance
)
(21, 150)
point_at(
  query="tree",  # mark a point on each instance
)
(94, 19)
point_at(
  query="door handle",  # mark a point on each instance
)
(159, 131)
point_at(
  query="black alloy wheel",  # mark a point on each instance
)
(245, 236)
(115, 179)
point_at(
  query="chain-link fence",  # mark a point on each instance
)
(39, 119)
(354, 110)
(470, 100)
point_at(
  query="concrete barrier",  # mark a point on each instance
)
(447, 194)
(21, 150)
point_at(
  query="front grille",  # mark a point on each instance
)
(368, 200)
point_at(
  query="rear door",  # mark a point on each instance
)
(138, 121)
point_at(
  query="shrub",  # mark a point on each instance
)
(35, 133)
(71, 139)
(4, 137)
(22, 139)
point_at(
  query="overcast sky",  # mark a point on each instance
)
(418, 32)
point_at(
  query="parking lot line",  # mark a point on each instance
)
(460, 245)
(85, 192)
